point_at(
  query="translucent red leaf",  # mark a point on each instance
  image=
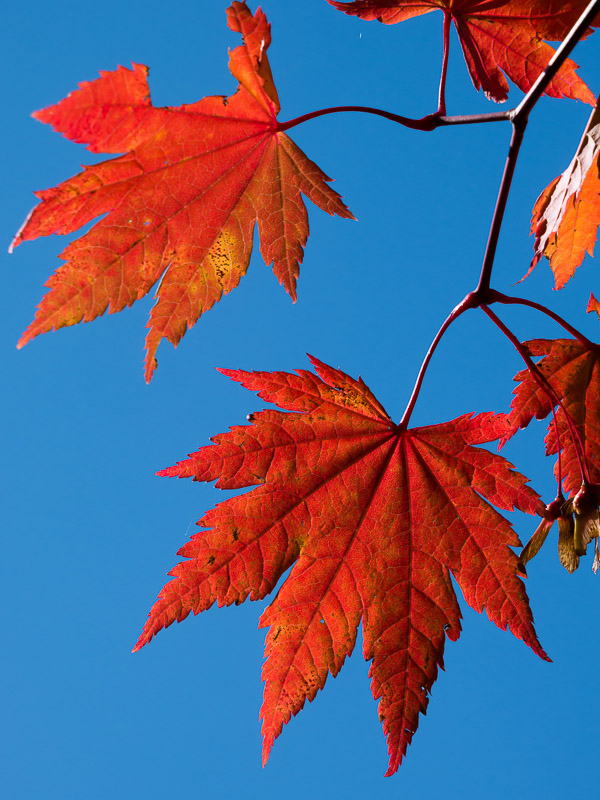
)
(182, 203)
(373, 520)
(573, 370)
(497, 38)
(567, 214)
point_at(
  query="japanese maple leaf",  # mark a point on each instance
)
(572, 369)
(497, 37)
(182, 203)
(567, 214)
(373, 519)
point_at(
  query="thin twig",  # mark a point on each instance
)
(427, 123)
(498, 217)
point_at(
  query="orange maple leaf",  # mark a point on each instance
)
(567, 214)
(373, 520)
(572, 369)
(183, 202)
(497, 37)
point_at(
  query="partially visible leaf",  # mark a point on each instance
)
(373, 519)
(497, 37)
(593, 305)
(567, 214)
(557, 511)
(535, 544)
(573, 371)
(182, 204)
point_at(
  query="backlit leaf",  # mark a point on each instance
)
(373, 520)
(181, 205)
(567, 214)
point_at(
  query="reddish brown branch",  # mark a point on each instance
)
(427, 123)
(498, 217)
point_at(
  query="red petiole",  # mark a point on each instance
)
(547, 388)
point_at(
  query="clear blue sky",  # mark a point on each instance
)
(90, 532)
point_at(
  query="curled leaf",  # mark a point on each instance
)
(566, 215)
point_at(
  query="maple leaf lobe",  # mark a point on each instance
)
(182, 203)
(372, 520)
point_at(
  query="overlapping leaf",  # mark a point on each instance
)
(497, 37)
(373, 519)
(572, 368)
(183, 202)
(567, 214)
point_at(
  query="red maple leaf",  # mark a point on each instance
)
(567, 214)
(373, 519)
(182, 203)
(573, 371)
(497, 37)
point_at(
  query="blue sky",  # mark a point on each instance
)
(90, 532)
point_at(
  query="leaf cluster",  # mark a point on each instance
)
(373, 518)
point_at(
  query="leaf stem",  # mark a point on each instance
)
(558, 452)
(428, 123)
(545, 386)
(463, 306)
(498, 297)
(443, 76)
